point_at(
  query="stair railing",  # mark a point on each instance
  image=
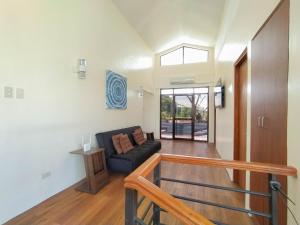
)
(138, 184)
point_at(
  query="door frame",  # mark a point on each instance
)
(236, 153)
(193, 114)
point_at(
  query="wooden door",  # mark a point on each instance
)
(269, 103)
(240, 114)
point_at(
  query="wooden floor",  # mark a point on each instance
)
(71, 207)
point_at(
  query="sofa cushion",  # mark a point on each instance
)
(138, 136)
(120, 165)
(116, 143)
(125, 143)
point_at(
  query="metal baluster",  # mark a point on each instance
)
(130, 206)
(273, 185)
(156, 208)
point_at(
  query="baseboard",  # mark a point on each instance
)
(73, 186)
(219, 156)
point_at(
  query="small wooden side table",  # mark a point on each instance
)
(95, 168)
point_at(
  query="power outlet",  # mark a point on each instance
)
(46, 175)
(8, 92)
(19, 93)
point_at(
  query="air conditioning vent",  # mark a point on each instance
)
(180, 81)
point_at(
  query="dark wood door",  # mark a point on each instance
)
(241, 86)
(269, 102)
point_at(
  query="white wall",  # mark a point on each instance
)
(224, 116)
(238, 28)
(293, 107)
(40, 43)
(148, 112)
(202, 72)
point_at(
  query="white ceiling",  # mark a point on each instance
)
(166, 23)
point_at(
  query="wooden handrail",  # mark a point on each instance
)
(137, 181)
(173, 206)
(232, 164)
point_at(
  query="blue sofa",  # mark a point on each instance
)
(128, 162)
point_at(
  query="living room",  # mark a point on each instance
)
(55, 58)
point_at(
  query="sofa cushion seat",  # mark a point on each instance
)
(139, 153)
(132, 159)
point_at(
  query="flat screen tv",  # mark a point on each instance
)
(219, 96)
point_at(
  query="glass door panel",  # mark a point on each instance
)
(166, 116)
(201, 117)
(183, 116)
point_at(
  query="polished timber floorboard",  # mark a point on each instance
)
(71, 207)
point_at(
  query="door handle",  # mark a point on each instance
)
(259, 121)
(263, 122)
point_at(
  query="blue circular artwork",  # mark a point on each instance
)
(116, 91)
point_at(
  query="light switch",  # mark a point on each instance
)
(19, 93)
(8, 92)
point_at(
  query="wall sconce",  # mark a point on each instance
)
(141, 91)
(81, 68)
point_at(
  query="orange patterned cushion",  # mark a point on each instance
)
(116, 143)
(138, 136)
(125, 143)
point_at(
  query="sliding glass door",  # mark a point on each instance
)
(184, 114)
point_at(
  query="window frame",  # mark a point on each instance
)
(183, 60)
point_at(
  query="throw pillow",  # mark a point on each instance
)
(138, 136)
(116, 143)
(125, 143)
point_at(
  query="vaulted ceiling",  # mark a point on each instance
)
(167, 23)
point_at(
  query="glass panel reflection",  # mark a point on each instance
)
(201, 117)
(183, 116)
(166, 115)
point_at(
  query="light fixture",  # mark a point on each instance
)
(219, 82)
(141, 91)
(81, 68)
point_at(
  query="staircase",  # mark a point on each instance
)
(146, 203)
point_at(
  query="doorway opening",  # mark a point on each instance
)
(184, 113)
